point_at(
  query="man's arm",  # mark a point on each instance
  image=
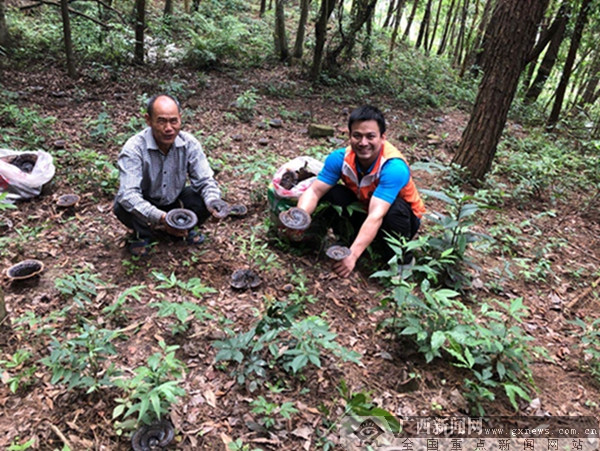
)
(130, 195)
(377, 210)
(200, 173)
(310, 198)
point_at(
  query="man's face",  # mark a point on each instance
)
(165, 122)
(366, 141)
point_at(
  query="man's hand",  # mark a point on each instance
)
(343, 268)
(218, 208)
(170, 230)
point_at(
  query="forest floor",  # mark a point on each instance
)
(215, 408)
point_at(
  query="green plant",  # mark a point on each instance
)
(590, 343)
(450, 245)
(23, 127)
(490, 344)
(291, 344)
(4, 204)
(245, 104)
(269, 410)
(100, 128)
(16, 446)
(80, 286)
(15, 371)
(257, 250)
(193, 286)
(238, 445)
(300, 293)
(152, 390)
(184, 311)
(119, 309)
(79, 361)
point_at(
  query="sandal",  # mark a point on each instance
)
(140, 248)
(195, 238)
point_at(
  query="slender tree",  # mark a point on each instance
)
(140, 24)
(435, 26)
(327, 7)
(299, 44)
(361, 14)
(411, 17)
(422, 36)
(4, 37)
(390, 14)
(568, 67)
(168, 11)
(510, 37)
(444, 40)
(556, 33)
(590, 91)
(64, 9)
(263, 7)
(398, 16)
(281, 43)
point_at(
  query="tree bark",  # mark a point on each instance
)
(442, 46)
(591, 85)
(4, 37)
(477, 50)
(411, 17)
(435, 26)
(327, 7)
(362, 14)
(557, 34)
(398, 16)
(460, 41)
(263, 7)
(168, 11)
(568, 67)
(140, 24)
(299, 44)
(390, 14)
(281, 44)
(510, 37)
(64, 9)
(424, 26)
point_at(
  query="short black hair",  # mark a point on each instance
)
(150, 104)
(367, 113)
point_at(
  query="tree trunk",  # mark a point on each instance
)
(460, 41)
(424, 25)
(470, 42)
(140, 24)
(168, 11)
(446, 28)
(556, 39)
(64, 9)
(4, 37)
(299, 44)
(567, 68)
(410, 20)
(363, 10)
(510, 37)
(591, 85)
(435, 26)
(327, 7)
(398, 16)
(281, 44)
(263, 7)
(390, 14)
(477, 50)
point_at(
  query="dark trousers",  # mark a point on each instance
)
(399, 220)
(189, 198)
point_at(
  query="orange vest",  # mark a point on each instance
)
(365, 189)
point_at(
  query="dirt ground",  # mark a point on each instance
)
(216, 409)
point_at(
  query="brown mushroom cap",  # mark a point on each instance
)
(25, 269)
(67, 200)
(181, 219)
(295, 218)
(337, 252)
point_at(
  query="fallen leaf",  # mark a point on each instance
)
(210, 397)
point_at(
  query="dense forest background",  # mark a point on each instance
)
(495, 103)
